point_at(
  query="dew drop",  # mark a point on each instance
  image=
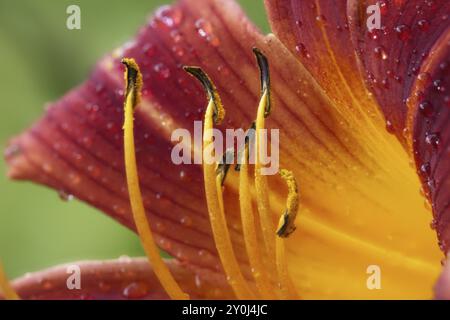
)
(424, 78)
(321, 19)
(186, 221)
(300, 48)
(425, 168)
(403, 32)
(169, 16)
(178, 50)
(380, 53)
(135, 290)
(65, 196)
(426, 109)
(176, 36)
(390, 127)
(383, 7)
(205, 30)
(433, 224)
(433, 139)
(162, 70)
(423, 25)
(124, 258)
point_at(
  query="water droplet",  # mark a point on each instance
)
(162, 70)
(176, 36)
(136, 290)
(178, 50)
(403, 32)
(186, 220)
(426, 108)
(425, 168)
(169, 16)
(438, 85)
(65, 196)
(223, 70)
(205, 30)
(433, 224)
(124, 258)
(390, 127)
(300, 48)
(383, 7)
(424, 78)
(433, 139)
(423, 25)
(380, 53)
(321, 19)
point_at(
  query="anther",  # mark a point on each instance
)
(287, 221)
(263, 65)
(211, 91)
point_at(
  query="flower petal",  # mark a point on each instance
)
(334, 43)
(125, 278)
(356, 186)
(442, 286)
(428, 119)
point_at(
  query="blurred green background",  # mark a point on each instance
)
(41, 59)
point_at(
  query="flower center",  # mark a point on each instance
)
(268, 264)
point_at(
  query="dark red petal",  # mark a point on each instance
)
(393, 56)
(125, 278)
(329, 36)
(428, 122)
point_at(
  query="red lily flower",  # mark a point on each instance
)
(363, 126)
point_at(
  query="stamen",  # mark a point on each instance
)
(259, 271)
(287, 221)
(133, 80)
(5, 286)
(213, 190)
(285, 228)
(261, 185)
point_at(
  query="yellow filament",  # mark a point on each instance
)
(214, 199)
(285, 282)
(260, 273)
(261, 185)
(285, 228)
(5, 286)
(159, 267)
